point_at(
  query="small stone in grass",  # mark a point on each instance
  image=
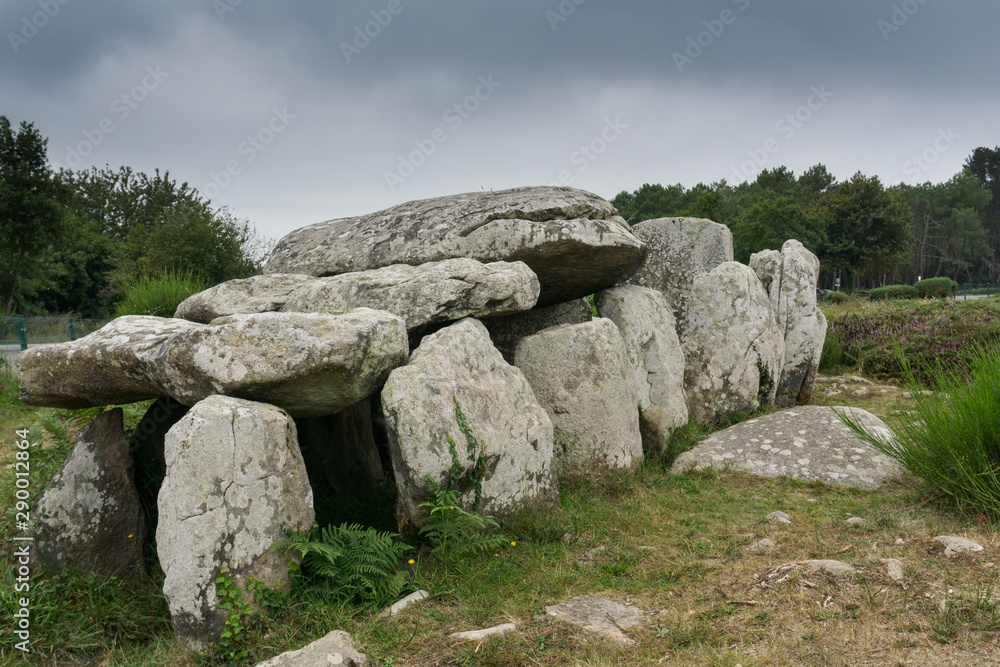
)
(778, 517)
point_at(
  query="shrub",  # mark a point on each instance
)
(893, 292)
(952, 440)
(930, 334)
(936, 288)
(835, 297)
(157, 295)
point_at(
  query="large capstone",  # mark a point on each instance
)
(426, 294)
(582, 377)
(243, 296)
(733, 346)
(235, 479)
(309, 364)
(810, 443)
(791, 277)
(677, 251)
(646, 322)
(503, 447)
(506, 331)
(573, 240)
(112, 366)
(90, 517)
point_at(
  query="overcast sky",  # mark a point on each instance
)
(290, 113)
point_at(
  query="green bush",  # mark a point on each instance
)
(952, 440)
(835, 297)
(157, 295)
(936, 288)
(893, 292)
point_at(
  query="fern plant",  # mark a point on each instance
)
(454, 533)
(350, 562)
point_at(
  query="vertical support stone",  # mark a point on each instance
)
(235, 478)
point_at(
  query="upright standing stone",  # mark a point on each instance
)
(677, 251)
(90, 517)
(646, 323)
(511, 436)
(582, 377)
(732, 345)
(791, 277)
(235, 479)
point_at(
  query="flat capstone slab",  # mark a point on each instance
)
(807, 443)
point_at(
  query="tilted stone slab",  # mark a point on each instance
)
(646, 322)
(459, 363)
(506, 331)
(677, 251)
(257, 294)
(235, 479)
(582, 377)
(791, 277)
(574, 241)
(336, 649)
(808, 443)
(90, 517)
(732, 345)
(112, 366)
(308, 364)
(426, 294)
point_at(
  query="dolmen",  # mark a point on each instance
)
(493, 343)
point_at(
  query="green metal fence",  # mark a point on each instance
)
(975, 289)
(24, 331)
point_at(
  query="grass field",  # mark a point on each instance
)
(674, 545)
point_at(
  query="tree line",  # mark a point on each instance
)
(865, 233)
(71, 239)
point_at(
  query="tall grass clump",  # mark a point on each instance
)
(952, 442)
(833, 352)
(157, 295)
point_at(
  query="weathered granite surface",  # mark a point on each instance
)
(427, 294)
(573, 240)
(808, 442)
(606, 618)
